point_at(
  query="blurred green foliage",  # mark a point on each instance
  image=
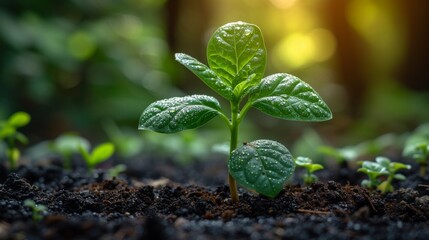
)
(76, 64)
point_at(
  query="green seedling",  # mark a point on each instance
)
(348, 154)
(114, 171)
(341, 155)
(98, 155)
(382, 167)
(310, 168)
(10, 135)
(373, 170)
(69, 144)
(236, 58)
(37, 210)
(417, 147)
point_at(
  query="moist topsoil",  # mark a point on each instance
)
(159, 199)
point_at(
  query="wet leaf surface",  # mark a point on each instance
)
(179, 113)
(262, 165)
(287, 97)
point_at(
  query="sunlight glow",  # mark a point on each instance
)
(283, 4)
(299, 49)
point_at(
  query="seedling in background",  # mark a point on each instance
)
(348, 154)
(69, 144)
(98, 155)
(310, 168)
(9, 134)
(37, 210)
(236, 64)
(417, 147)
(382, 168)
(114, 171)
(373, 170)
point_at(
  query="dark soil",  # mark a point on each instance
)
(157, 199)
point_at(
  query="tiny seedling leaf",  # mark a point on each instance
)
(219, 85)
(373, 167)
(303, 161)
(315, 167)
(179, 113)
(399, 176)
(19, 119)
(101, 153)
(68, 144)
(287, 97)
(262, 165)
(7, 131)
(236, 51)
(21, 138)
(242, 89)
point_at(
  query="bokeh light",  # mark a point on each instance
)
(301, 49)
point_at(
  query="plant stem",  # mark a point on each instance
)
(11, 154)
(423, 167)
(232, 147)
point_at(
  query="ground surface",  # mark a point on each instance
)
(158, 200)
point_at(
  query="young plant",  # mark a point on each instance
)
(236, 57)
(417, 147)
(310, 168)
(373, 170)
(382, 167)
(114, 171)
(9, 134)
(98, 155)
(37, 210)
(69, 144)
(348, 154)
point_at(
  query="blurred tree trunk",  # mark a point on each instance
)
(414, 72)
(350, 54)
(187, 22)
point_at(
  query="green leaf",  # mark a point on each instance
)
(236, 51)
(399, 176)
(373, 167)
(209, 77)
(101, 153)
(242, 89)
(315, 167)
(85, 154)
(67, 144)
(179, 113)
(7, 131)
(19, 119)
(262, 165)
(285, 96)
(303, 161)
(21, 138)
(395, 166)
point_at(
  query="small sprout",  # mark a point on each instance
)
(37, 209)
(236, 57)
(342, 155)
(348, 154)
(374, 171)
(9, 134)
(116, 170)
(69, 144)
(310, 168)
(98, 155)
(382, 167)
